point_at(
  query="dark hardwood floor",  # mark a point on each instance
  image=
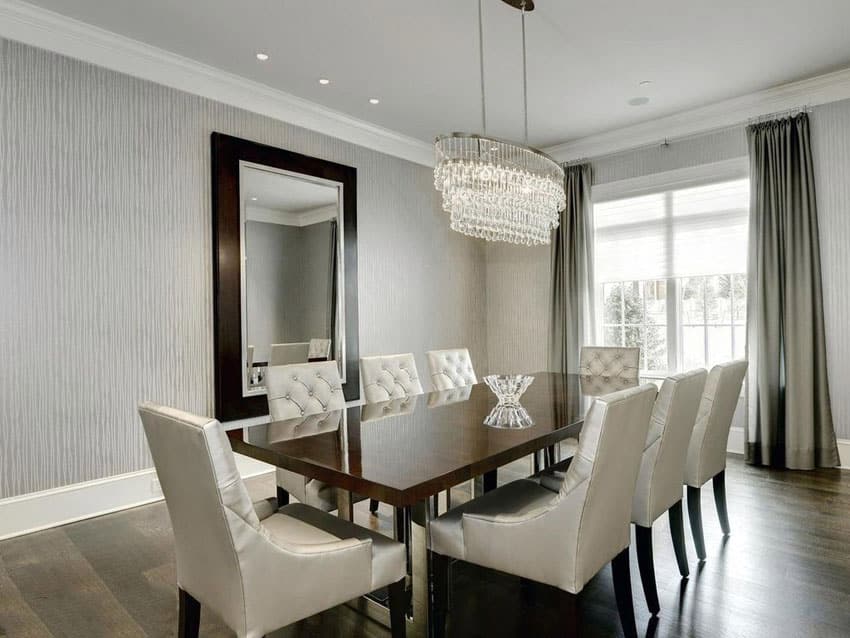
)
(784, 571)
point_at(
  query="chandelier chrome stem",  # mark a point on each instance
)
(524, 78)
(481, 65)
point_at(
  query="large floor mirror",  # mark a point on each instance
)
(285, 269)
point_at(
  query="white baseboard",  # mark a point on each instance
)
(844, 453)
(51, 508)
(736, 442)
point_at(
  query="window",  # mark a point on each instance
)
(670, 272)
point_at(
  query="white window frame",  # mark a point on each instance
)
(704, 174)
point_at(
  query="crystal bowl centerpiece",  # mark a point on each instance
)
(508, 413)
(508, 388)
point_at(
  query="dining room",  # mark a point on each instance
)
(323, 364)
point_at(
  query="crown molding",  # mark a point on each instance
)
(45, 29)
(822, 89)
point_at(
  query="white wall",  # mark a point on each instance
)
(106, 269)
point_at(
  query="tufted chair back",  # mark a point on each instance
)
(662, 468)
(707, 449)
(451, 368)
(319, 350)
(389, 377)
(608, 361)
(302, 389)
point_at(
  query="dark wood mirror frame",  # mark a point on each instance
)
(227, 151)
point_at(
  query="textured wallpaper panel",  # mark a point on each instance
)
(831, 149)
(105, 261)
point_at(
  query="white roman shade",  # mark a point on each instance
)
(686, 232)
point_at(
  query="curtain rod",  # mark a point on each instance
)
(665, 142)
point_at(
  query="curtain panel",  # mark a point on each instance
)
(790, 420)
(571, 320)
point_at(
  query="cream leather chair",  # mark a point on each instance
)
(388, 377)
(295, 392)
(257, 568)
(282, 354)
(319, 350)
(609, 361)
(707, 449)
(662, 468)
(451, 369)
(560, 539)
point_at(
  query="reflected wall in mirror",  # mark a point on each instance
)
(292, 296)
(284, 269)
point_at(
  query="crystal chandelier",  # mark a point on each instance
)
(495, 189)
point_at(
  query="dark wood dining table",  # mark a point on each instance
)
(404, 452)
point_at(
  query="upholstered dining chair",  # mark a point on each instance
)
(297, 391)
(561, 539)
(319, 350)
(391, 376)
(451, 368)
(282, 354)
(609, 361)
(707, 449)
(258, 568)
(662, 468)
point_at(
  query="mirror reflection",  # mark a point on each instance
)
(291, 256)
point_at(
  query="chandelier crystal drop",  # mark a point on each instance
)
(494, 189)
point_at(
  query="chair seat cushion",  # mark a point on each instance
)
(304, 525)
(515, 498)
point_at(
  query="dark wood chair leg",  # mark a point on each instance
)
(570, 613)
(436, 504)
(550, 456)
(189, 621)
(282, 497)
(373, 507)
(623, 591)
(643, 538)
(695, 514)
(677, 531)
(398, 611)
(400, 525)
(491, 479)
(440, 602)
(719, 483)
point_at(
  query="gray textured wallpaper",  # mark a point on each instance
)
(105, 261)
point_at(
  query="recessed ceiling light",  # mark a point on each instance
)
(638, 101)
(253, 199)
(262, 56)
(374, 100)
(324, 81)
(644, 82)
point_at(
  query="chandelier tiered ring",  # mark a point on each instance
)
(498, 190)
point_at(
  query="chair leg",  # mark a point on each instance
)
(436, 504)
(282, 497)
(373, 507)
(719, 482)
(440, 583)
(189, 621)
(569, 611)
(623, 592)
(550, 456)
(400, 526)
(695, 514)
(398, 613)
(643, 536)
(677, 531)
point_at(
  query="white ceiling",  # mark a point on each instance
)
(421, 58)
(280, 192)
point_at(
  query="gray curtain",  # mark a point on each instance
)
(571, 321)
(790, 420)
